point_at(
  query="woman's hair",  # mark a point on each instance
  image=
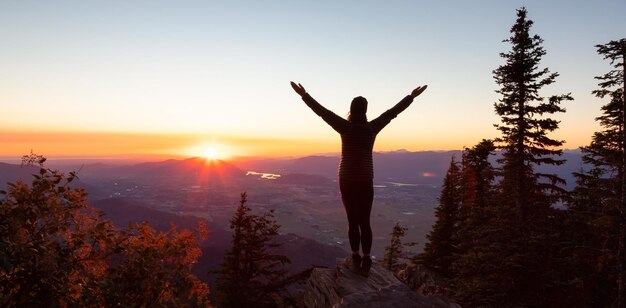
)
(358, 109)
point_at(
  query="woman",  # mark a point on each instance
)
(356, 169)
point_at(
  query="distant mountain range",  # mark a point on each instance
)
(197, 167)
(13, 172)
(424, 167)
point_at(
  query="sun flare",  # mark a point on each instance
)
(211, 153)
(209, 150)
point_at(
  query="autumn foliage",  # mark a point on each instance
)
(55, 250)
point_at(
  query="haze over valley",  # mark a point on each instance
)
(302, 191)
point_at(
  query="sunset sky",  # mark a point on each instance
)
(132, 78)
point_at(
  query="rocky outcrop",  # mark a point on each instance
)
(422, 280)
(340, 287)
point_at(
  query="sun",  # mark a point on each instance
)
(211, 153)
(209, 150)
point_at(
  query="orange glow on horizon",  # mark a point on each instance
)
(225, 147)
(154, 145)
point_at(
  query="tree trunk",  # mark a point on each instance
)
(521, 180)
(621, 289)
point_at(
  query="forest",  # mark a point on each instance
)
(506, 235)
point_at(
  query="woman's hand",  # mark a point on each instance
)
(415, 92)
(298, 88)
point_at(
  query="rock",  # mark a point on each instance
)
(422, 280)
(339, 287)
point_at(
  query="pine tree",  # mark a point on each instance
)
(441, 246)
(250, 273)
(477, 176)
(532, 235)
(393, 252)
(599, 202)
(593, 241)
(508, 247)
(478, 264)
(525, 124)
(616, 52)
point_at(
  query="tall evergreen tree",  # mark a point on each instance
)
(525, 125)
(596, 205)
(593, 229)
(616, 52)
(511, 257)
(441, 246)
(599, 201)
(604, 154)
(251, 273)
(393, 252)
(479, 264)
(477, 176)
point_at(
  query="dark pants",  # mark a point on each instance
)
(357, 197)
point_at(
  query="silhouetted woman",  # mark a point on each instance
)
(356, 169)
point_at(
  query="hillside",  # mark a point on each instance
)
(122, 211)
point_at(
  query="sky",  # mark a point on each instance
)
(133, 78)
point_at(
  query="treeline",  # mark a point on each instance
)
(507, 235)
(55, 250)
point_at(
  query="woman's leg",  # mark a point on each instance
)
(366, 198)
(349, 197)
(357, 197)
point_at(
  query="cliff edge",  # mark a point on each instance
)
(340, 287)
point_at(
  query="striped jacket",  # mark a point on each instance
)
(357, 139)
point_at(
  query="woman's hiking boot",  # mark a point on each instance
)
(366, 264)
(353, 262)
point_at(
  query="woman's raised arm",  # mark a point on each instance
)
(384, 119)
(336, 122)
(417, 91)
(298, 88)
